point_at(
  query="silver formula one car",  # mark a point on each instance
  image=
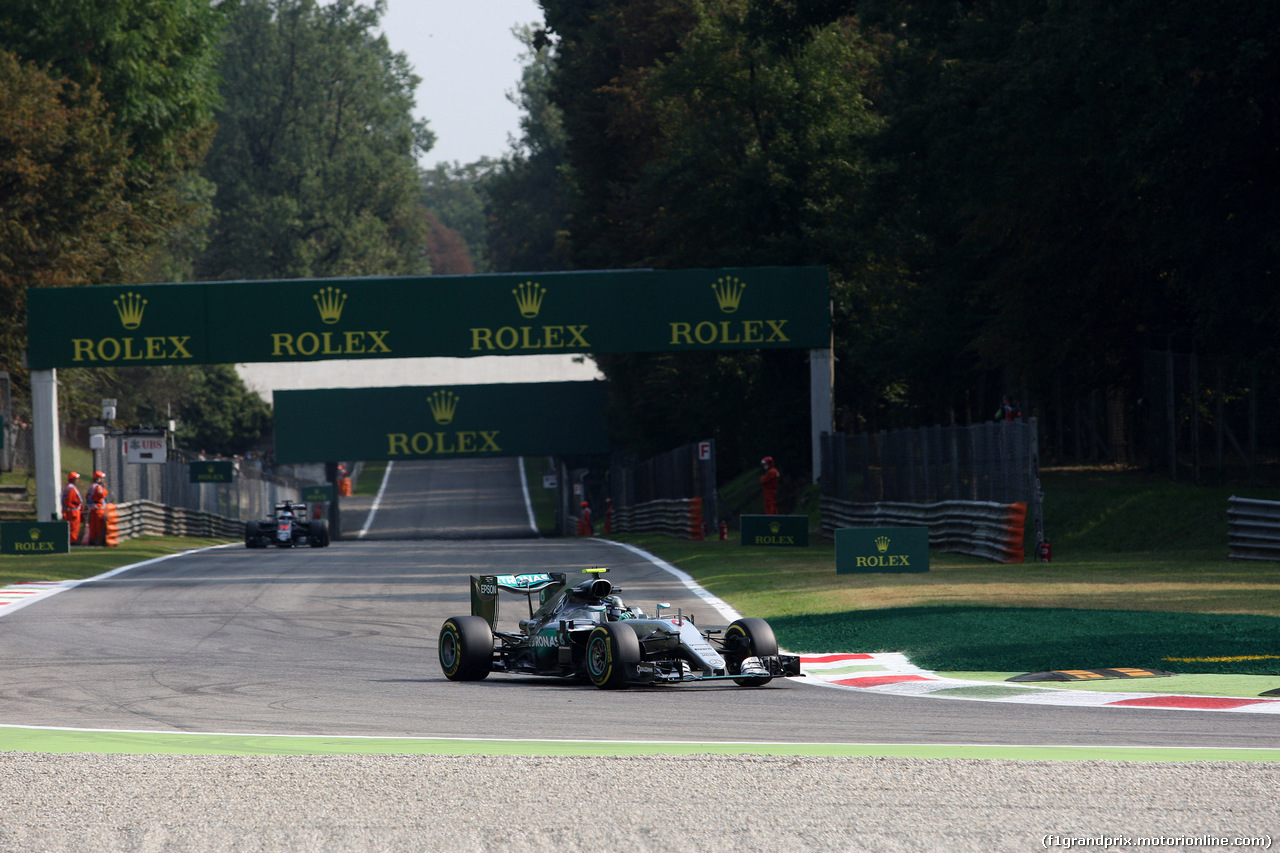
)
(587, 632)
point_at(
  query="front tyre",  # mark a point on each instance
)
(318, 534)
(611, 648)
(466, 648)
(750, 637)
(251, 539)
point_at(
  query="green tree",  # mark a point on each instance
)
(603, 52)
(62, 171)
(455, 194)
(527, 191)
(732, 148)
(1075, 182)
(314, 159)
(153, 67)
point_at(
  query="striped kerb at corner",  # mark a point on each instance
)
(893, 673)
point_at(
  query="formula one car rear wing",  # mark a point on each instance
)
(484, 591)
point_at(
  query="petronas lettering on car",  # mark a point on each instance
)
(586, 632)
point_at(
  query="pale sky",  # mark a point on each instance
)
(468, 61)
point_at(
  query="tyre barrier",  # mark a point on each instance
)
(148, 518)
(678, 517)
(1253, 529)
(994, 531)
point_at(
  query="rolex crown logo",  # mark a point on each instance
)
(529, 298)
(774, 527)
(443, 404)
(35, 533)
(728, 293)
(882, 544)
(130, 307)
(330, 301)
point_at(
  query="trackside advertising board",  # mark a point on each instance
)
(777, 530)
(882, 549)
(34, 537)
(410, 316)
(441, 422)
(212, 471)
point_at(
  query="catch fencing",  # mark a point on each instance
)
(252, 493)
(957, 476)
(672, 493)
(1253, 529)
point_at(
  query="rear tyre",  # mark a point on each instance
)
(466, 648)
(750, 637)
(319, 534)
(611, 648)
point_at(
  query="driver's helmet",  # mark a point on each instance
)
(614, 609)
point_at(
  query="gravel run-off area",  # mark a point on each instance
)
(60, 802)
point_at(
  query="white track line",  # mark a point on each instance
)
(386, 475)
(51, 588)
(524, 488)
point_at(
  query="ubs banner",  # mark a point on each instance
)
(408, 316)
(441, 422)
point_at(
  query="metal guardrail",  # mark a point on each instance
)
(1253, 529)
(681, 518)
(148, 518)
(994, 461)
(986, 529)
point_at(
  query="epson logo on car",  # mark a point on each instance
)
(488, 589)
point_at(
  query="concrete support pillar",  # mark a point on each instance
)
(821, 407)
(48, 451)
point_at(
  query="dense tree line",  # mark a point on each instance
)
(1012, 195)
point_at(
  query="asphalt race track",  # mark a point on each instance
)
(341, 641)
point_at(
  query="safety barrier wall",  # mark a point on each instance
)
(148, 518)
(1253, 529)
(686, 472)
(681, 518)
(986, 529)
(994, 461)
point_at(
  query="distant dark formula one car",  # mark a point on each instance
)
(586, 631)
(290, 527)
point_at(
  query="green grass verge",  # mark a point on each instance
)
(1020, 639)
(184, 743)
(88, 562)
(370, 480)
(1140, 577)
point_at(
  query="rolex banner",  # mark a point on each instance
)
(441, 422)
(777, 530)
(409, 316)
(882, 549)
(212, 471)
(34, 537)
